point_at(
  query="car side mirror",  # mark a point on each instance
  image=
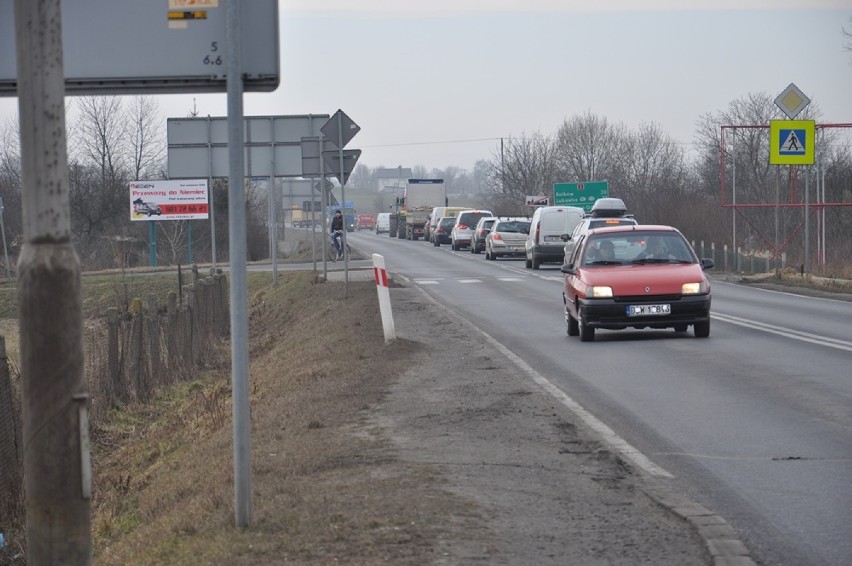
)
(565, 237)
(707, 263)
(569, 269)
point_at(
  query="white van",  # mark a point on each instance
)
(544, 243)
(383, 223)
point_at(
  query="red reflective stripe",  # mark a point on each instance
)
(381, 276)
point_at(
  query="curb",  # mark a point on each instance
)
(725, 548)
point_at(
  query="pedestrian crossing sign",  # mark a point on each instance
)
(791, 142)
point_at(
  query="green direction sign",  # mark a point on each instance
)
(583, 195)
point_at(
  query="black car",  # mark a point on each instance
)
(441, 233)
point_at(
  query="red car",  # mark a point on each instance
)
(635, 277)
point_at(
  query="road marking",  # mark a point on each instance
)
(510, 279)
(426, 281)
(608, 435)
(786, 332)
(469, 280)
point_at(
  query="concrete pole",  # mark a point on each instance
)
(239, 275)
(57, 466)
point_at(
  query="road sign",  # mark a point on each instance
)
(340, 125)
(792, 101)
(311, 155)
(537, 200)
(198, 147)
(169, 200)
(583, 195)
(128, 47)
(791, 142)
(331, 159)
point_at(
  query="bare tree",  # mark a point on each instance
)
(651, 174)
(588, 147)
(98, 176)
(523, 166)
(175, 232)
(145, 138)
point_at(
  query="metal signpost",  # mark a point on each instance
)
(582, 195)
(341, 129)
(792, 142)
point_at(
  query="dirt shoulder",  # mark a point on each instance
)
(426, 450)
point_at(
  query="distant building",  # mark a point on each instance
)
(392, 180)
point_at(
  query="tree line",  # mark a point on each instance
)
(114, 140)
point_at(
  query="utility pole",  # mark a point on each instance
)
(57, 465)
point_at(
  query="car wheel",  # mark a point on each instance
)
(701, 329)
(587, 333)
(527, 263)
(573, 327)
(436, 243)
(536, 263)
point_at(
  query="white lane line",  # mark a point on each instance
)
(786, 332)
(469, 280)
(608, 435)
(426, 281)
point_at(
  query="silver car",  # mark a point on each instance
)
(506, 238)
(463, 228)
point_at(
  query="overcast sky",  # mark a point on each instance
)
(438, 82)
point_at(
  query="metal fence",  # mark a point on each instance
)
(128, 358)
(740, 261)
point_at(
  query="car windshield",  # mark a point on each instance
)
(447, 222)
(637, 248)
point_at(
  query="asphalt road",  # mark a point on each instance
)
(754, 423)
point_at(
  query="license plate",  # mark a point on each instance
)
(648, 310)
(552, 239)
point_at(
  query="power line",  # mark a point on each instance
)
(405, 144)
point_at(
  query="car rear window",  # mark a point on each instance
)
(471, 218)
(515, 226)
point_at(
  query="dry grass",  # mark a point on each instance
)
(326, 488)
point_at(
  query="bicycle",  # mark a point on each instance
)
(334, 251)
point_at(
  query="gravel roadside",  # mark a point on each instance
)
(548, 489)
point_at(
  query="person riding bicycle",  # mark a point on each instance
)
(337, 230)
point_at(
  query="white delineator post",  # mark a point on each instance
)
(384, 296)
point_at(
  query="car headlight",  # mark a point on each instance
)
(600, 292)
(694, 288)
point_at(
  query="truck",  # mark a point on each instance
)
(365, 222)
(421, 196)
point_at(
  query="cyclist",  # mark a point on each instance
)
(337, 231)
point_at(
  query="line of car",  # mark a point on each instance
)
(617, 273)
